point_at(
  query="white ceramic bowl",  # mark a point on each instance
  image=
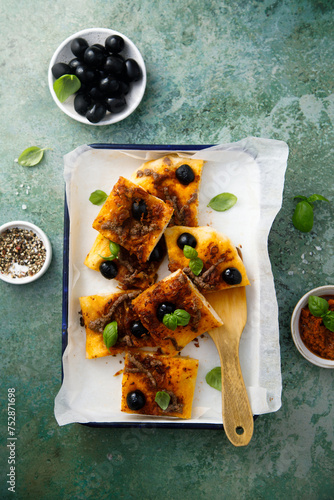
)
(99, 35)
(304, 351)
(42, 236)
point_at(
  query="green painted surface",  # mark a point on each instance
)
(218, 71)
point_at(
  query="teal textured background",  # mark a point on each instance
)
(218, 71)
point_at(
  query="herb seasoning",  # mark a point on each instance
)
(22, 253)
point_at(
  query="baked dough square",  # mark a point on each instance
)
(131, 273)
(116, 222)
(99, 310)
(215, 250)
(151, 373)
(178, 290)
(158, 177)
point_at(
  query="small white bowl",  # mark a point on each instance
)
(42, 236)
(99, 35)
(304, 351)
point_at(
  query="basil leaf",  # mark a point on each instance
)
(170, 321)
(65, 86)
(163, 399)
(317, 305)
(316, 197)
(223, 202)
(302, 218)
(182, 317)
(189, 252)
(31, 156)
(300, 198)
(196, 265)
(110, 334)
(328, 320)
(114, 248)
(98, 197)
(214, 378)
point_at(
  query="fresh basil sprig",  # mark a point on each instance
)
(214, 378)
(319, 307)
(110, 334)
(195, 263)
(179, 317)
(222, 202)
(163, 399)
(303, 215)
(31, 156)
(65, 86)
(114, 251)
(98, 197)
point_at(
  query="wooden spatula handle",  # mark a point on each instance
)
(236, 411)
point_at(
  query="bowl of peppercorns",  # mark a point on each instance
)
(97, 76)
(25, 252)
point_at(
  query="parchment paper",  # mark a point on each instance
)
(253, 169)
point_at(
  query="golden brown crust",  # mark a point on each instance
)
(150, 373)
(158, 178)
(179, 290)
(215, 250)
(115, 220)
(95, 310)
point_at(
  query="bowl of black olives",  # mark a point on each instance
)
(97, 76)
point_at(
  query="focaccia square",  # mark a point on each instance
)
(223, 267)
(150, 373)
(99, 310)
(130, 272)
(116, 220)
(160, 178)
(178, 290)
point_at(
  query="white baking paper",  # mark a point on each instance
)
(253, 169)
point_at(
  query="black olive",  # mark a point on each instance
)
(96, 94)
(158, 251)
(102, 48)
(185, 174)
(124, 87)
(114, 43)
(74, 63)
(232, 276)
(115, 104)
(114, 65)
(108, 269)
(96, 112)
(60, 69)
(139, 210)
(82, 102)
(132, 71)
(165, 308)
(108, 85)
(94, 57)
(138, 329)
(85, 75)
(78, 47)
(186, 239)
(135, 400)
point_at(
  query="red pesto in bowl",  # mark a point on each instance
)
(317, 338)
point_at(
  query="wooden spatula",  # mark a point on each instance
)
(231, 305)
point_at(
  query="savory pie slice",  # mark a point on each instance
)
(168, 297)
(100, 310)
(222, 266)
(149, 378)
(133, 218)
(176, 181)
(130, 272)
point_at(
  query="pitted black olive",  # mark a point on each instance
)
(82, 103)
(165, 308)
(114, 43)
(185, 174)
(186, 239)
(138, 329)
(108, 269)
(158, 251)
(135, 400)
(232, 276)
(139, 210)
(60, 69)
(78, 47)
